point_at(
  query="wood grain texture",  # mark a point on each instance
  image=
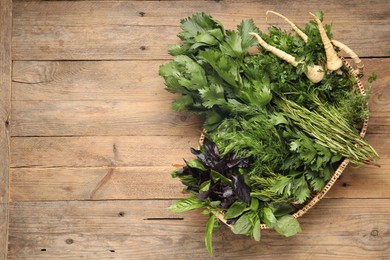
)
(94, 98)
(125, 98)
(130, 81)
(142, 30)
(5, 110)
(80, 183)
(336, 229)
(100, 151)
(94, 183)
(100, 117)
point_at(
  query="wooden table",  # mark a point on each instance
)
(87, 137)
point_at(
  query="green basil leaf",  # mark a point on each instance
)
(256, 231)
(196, 164)
(205, 186)
(288, 226)
(186, 204)
(242, 226)
(280, 208)
(235, 210)
(215, 204)
(269, 217)
(209, 233)
(254, 204)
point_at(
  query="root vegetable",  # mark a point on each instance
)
(351, 54)
(295, 28)
(333, 61)
(314, 73)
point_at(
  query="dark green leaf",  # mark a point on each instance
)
(213, 118)
(280, 208)
(235, 210)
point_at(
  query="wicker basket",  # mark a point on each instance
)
(357, 73)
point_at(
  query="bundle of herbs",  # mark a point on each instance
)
(278, 120)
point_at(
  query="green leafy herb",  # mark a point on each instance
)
(288, 226)
(243, 225)
(209, 233)
(235, 210)
(187, 204)
(274, 136)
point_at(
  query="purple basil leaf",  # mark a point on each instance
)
(220, 167)
(240, 188)
(227, 202)
(203, 176)
(211, 149)
(205, 159)
(232, 163)
(203, 195)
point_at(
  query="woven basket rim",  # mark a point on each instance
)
(340, 169)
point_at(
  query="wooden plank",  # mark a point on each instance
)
(124, 98)
(83, 30)
(70, 118)
(94, 98)
(132, 81)
(379, 104)
(5, 110)
(100, 151)
(343, 228)
(102, 183)
(80, 183)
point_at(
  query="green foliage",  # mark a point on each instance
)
(209, 233)
(292, 132)
(288, 226)
(187, 204)
(235, 210)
